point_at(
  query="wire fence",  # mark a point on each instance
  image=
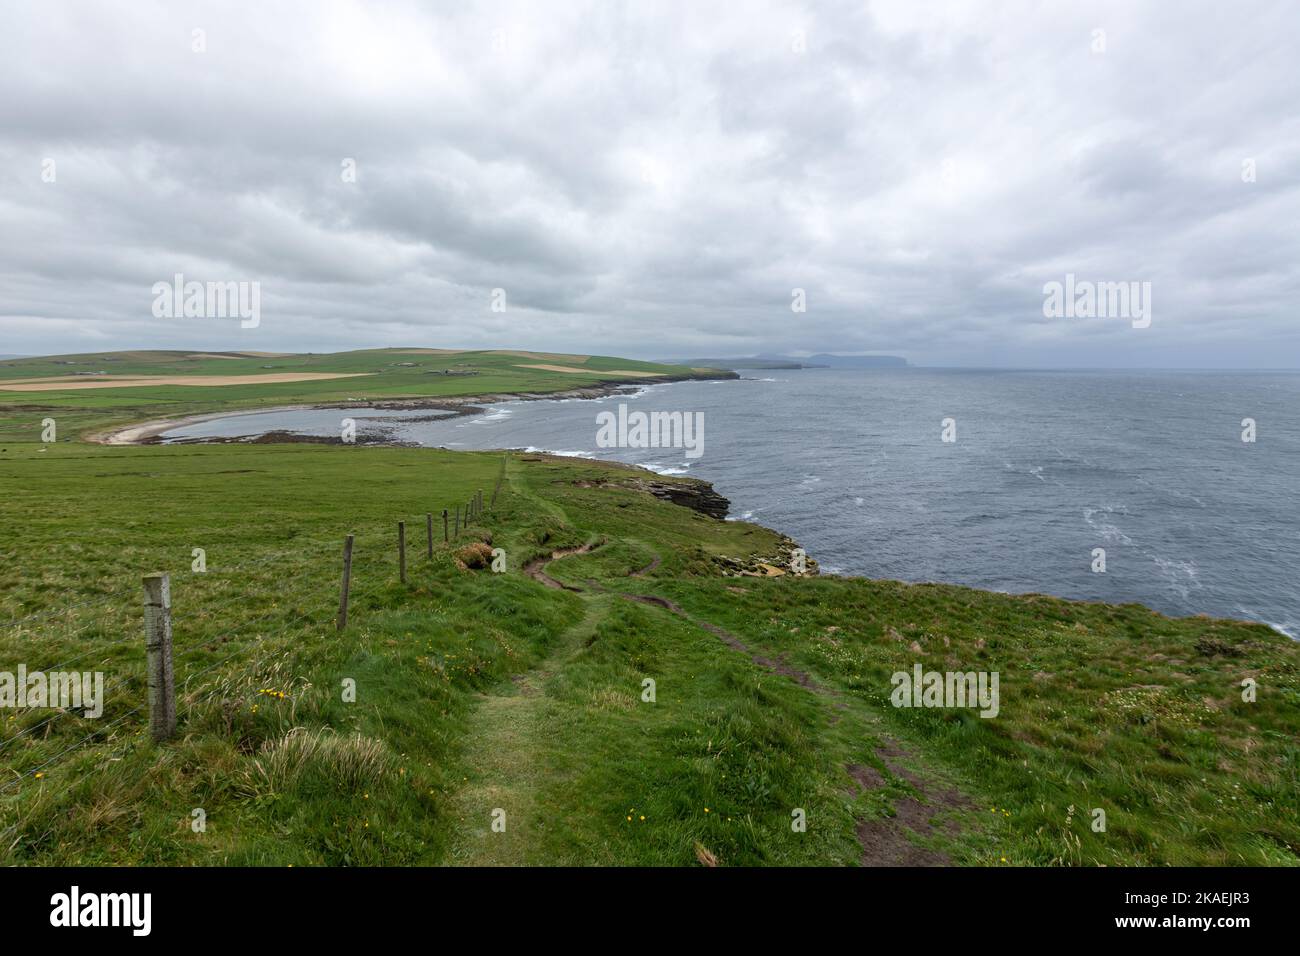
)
(123, 631)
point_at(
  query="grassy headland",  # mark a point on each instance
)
(479, 692)
(71, 389)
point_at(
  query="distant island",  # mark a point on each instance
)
(822, 360)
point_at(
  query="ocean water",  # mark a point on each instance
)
(1046, 466)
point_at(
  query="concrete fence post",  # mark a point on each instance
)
(401, 551)
(347, 581)
(158, 654)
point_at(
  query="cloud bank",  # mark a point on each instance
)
(655, 179)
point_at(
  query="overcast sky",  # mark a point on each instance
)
(653, 179)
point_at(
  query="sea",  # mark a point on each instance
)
(1188, 481)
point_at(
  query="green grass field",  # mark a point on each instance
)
(381, 375)
(485, 697)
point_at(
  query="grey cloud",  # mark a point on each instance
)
(652, 179)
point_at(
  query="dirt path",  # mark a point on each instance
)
(649, 568)
(775, 666)
(536, 569)
(508, 732)
(885, 841)
(508, 729)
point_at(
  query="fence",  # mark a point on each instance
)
(148, 681)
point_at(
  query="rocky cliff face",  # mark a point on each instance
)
(689, 493)
(774, 563)
(692, 493)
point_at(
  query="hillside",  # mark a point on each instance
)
(110, 388)
(821, 360)
(521, 696)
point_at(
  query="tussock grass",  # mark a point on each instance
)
(320, 758)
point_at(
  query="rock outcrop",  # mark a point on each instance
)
(691, 493)
(770, 564)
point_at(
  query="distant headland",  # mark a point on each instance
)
(822, 360)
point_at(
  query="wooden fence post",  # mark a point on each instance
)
(456, 528)
(158, 653)
(347, 581)
(501, 476)
(428, 534)
(401, 551)
(444, 526)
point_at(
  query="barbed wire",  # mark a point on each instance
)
(242, 649)
(62, 712)
(54, 612)
(375, 553)
(217, 573)
(101, 646)
(109, 645)
(127, 679)
(68, 750)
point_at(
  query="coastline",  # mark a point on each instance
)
(686, 491)
(691, 492)
(147, 432)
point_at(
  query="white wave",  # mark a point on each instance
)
(1290, 629)
(1035, 470)
(661, 469)
(1182, 576)
(532, 449)
(1108, 531)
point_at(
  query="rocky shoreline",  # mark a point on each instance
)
(694, 493)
